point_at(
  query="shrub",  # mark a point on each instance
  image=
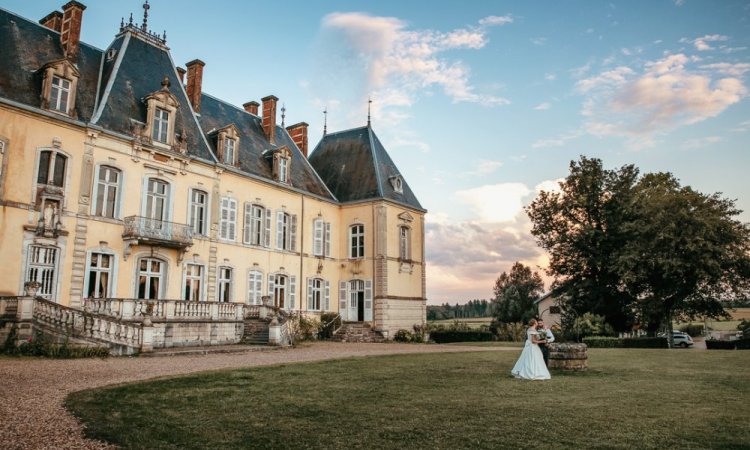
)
(602, 342)
(403, 336)
(716, 344)
(445, 336)
(591, 325)
(744, 326)
(613, 342)
(39, 345)
(742, 344)
(693, 329)
(419, 333)
(328, 325)
(515, 331)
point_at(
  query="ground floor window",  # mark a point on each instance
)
(99, 275)
(42, 268)
(193, 283)
(150, 277)
(254, 287)
(225, 284)
(279, 291)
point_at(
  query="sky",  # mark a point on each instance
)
(481, 104)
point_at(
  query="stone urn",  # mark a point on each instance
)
(568, 356)
(31, 288)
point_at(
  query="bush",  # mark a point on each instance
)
(716, 344)
(514, 332)
(591, 325)
(744, 326)
(445, 336)
(613, 342)
(403, 336)
(328, 325)
(693, 329)
(742, 344)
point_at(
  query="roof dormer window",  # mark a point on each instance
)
(59, 87)
(59, 94)
(160, 126)
(229, 155)
(282, 161)
(161, 117)
(397, 183)
(227, 145)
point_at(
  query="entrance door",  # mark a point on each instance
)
(356, 300)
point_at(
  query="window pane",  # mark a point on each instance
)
(59, 177)
(43, 175)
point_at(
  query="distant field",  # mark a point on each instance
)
(474, 322)
(740, 313)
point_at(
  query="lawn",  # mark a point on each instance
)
(628, 399)
(474, 322)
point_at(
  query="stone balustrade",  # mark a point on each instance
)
(165, 310)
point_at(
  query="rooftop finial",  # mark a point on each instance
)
(325, 121)
(283, 114)
(369, 102)
(146, 7)
(131, 19)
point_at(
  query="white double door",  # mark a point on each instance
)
(356, 300)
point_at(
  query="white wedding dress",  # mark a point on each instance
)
(530, 365)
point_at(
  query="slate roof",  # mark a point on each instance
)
(355, 166)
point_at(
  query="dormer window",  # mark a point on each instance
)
(228, 151)
(282, 159)
(227, 144)
(397, 183)
(160, 126)
(283, 168)
(161, 118)
(59, 87)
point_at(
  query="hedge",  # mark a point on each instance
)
(715, 344)
(445, 336)
(613, 342)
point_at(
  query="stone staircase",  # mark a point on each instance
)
(256, 332)
(357, 332)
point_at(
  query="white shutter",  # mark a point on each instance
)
(327, 239)
(318, 237)
(309, 294)
(342, 299)
(271, 285)
(279, 230)
(247, 230)
(232, 227)
(292, 290)
(258, 288)
(267, 233)
(327, 301)
(293, 235)
(368, 300)
(224, 217)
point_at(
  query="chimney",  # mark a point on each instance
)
(70, 29)
(298, 132)
(53, 21)
(269, 117)
(194, 83)
(181, 74)
(251, 107)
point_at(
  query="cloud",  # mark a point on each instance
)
(539, 40)
(543, 106)
(557, 141)
(702, 43)
(496, 20)
(659, 96)
(700, 142)
(735, 70)
(484, 167)
(496, 202)
(679, 2)
(742, 127)
(550, 76)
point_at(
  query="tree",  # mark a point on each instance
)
(515, 293)
(685, 251)
(581, 227)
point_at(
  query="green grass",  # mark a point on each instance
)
(628, 399)
(473, 322)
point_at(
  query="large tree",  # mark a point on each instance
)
(515, 293)
(581, 227)
(686, 251)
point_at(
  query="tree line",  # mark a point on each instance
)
(472, 309)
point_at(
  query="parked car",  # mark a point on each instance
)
(680, 339)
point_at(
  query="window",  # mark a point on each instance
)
(225, 284)
(257, 230)
(283, 166)
(279, 291)
(282, 289)
(229, 153)
(321, 238)
(150, 276)
(404, 243)
(254, 287)
(42, 268)
(554, 310)
(318, 295)
(99, 275)
(286, 231)
(59, 94)
(193, 283)
(157, 196)
(356, 241)
(51, 168)
(228, 219)
(198, 211)
(160, 126)
(107, 186)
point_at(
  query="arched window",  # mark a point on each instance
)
(107, 192)
(357, 241)
(151, 278)
(52, 165)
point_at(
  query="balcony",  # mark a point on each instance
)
(146, 231)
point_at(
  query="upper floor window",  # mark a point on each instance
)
(229, 155)
(286, 231)
(257, 226)
(321, 238)
(52, 165)
(193, 283)
(404, 243)
(59, 94)
(225, 284)
(397, 183)
(107, 191)
(99, 275)
(160, 126)
(198, 211)
(157, 199)
(282, 159)
(357, 241)
(228, 219)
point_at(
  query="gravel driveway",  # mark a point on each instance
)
(32, 391)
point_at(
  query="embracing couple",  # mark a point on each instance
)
(532, 364)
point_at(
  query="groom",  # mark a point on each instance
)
(540, 328)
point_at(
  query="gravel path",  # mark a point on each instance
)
(32, 391)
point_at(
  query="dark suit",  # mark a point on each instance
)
(544, 349)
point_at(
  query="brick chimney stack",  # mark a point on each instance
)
(181, 74)
(194, 83)
(269, 117)
(251, 107)
(298, 132)
(70, 29)
(53, 21)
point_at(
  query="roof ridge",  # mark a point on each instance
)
(375, 162)
(36, 22)
(111, 80)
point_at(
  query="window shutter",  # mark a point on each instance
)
(271, 285)
(267, 233)
(318, 237)
(327, 239)
(247, 230)
(327, 304)
(258, 288)
(309, 294)
(342, 299)
(279, 230)
(292, 290)
(223, 230)
(293, 235)
(368, 300)
(232, 226)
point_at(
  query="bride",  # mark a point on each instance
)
(530, 365)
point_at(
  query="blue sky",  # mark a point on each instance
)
(481, 103)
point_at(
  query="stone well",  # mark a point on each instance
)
(568, 356)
